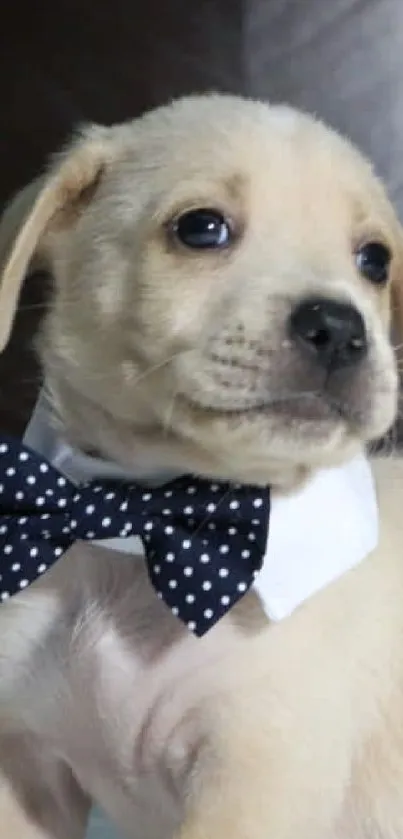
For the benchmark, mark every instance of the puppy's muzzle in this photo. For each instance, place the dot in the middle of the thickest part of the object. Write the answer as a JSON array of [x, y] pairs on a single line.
[[332, 333]]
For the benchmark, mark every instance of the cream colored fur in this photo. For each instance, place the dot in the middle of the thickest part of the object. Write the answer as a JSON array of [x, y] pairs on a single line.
[[156, 357]]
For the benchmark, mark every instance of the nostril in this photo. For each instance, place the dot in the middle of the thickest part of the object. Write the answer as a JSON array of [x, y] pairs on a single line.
[[318, 337], [335, 332]]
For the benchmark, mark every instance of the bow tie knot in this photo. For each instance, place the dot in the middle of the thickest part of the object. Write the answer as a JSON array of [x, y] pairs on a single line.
[[204, 541]]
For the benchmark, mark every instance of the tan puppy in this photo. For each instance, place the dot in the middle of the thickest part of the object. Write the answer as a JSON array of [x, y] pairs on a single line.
[[184, 339]]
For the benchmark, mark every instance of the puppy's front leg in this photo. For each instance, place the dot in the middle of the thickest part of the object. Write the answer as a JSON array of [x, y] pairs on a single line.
[[279, 777]]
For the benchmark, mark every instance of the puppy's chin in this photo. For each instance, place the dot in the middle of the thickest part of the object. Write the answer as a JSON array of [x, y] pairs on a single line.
[[279, 444], [265, 446]]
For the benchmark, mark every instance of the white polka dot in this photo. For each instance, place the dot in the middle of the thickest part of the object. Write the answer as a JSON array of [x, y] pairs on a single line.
[[89, 509], [211, 507], [173, 584], [4, 595], [245, 554], [58, 551], [168, 530], [191, 490], [186, 544], [224, 549], [23, 536], [10, 471], [4, 448], [24, 456], [258, 502], [206, 585], [242, 586], [208, 613], [23, 583], [234, 505], [232, 531], [251, 537], [225, 600], [40, 501], [190, 598], [41, 568], [188, 511], [128, 526], [31, 479], [123, 507], [62, 502], [175, 611], [157, 569], [45, 516], [168, 493], [8, 549], [167, 512], [188, 571], [16, 566], [148, 525], [223, 572], [33, 552], [255, 522], [3, 529], [73, 524], [212, 525], [89, 535], [22, 520], [110, 495], [205, 558], [105, 522], [19, 495], [61, 482], [146, 496], [44, 467], [170, 557], [49, 492], [192, 626], [214, 487]]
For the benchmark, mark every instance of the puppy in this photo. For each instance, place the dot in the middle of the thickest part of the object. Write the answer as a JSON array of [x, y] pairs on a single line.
[[223, 281]]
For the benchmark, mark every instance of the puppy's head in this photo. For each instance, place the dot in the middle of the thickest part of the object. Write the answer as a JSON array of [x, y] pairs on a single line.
[[223, 279]]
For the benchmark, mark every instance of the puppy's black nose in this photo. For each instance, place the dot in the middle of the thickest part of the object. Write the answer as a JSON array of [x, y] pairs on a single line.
[[334, 332]]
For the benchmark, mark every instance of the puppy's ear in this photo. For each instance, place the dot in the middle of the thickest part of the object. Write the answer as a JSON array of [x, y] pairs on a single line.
[[50, 201], [397, 296]]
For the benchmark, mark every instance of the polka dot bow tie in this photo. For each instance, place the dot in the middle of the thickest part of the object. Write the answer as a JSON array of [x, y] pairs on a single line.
[[204, 542]]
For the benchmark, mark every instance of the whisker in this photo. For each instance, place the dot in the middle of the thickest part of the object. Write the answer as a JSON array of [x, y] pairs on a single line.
[[167, 419], [108, 374]]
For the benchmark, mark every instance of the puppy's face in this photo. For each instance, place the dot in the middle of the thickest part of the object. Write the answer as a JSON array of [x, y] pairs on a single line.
[[224, 293]]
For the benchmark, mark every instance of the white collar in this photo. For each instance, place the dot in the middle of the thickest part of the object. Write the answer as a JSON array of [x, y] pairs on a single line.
[[315, 535]]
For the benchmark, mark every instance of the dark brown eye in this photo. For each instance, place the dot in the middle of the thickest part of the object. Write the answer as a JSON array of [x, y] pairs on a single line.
[[373, 260], [203, 229]]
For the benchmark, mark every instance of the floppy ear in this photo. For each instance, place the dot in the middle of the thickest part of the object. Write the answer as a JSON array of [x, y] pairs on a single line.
[[397, 297], [65, 186], [397, 300]]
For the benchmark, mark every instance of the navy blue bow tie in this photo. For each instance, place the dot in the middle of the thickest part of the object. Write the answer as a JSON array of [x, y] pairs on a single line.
[[204, 542]]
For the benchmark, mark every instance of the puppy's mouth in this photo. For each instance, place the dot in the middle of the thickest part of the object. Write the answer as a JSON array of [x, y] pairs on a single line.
[[308, 407]]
